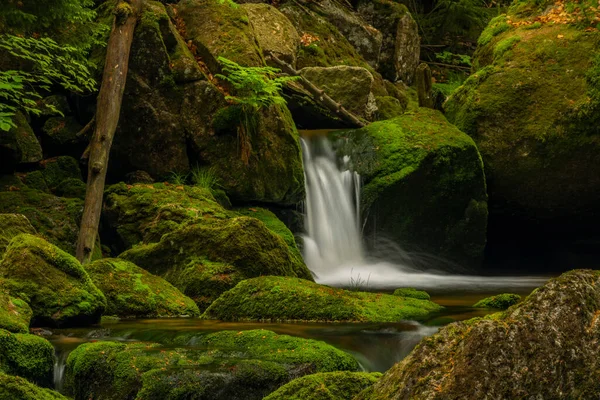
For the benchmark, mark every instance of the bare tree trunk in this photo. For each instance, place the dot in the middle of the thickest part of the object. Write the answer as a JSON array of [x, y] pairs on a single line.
[[319, 95], [107, 119]]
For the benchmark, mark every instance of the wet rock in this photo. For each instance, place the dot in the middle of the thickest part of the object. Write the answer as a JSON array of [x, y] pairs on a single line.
[[285, 299], [424, 185], [543, 346], [220, 366], [274, 32], [52, 282], [400, 50], [132, 292], [326, 386]]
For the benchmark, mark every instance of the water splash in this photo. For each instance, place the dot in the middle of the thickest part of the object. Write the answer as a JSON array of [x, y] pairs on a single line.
[[333, 247], [60, 363]]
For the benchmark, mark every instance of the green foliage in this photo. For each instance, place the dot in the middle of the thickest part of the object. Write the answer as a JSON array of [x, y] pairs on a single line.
[[454, 59], [45, 44], [205, 178], [454, 17], [177, 178], [412, 293], [254, 88]]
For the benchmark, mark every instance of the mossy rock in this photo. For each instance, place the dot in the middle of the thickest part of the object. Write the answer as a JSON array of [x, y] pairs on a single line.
[[281, 298], [56, 170], [60, 136], [533, 108], [388, 107], [205, 259], [19, 145], [15, 314], [220, 29], [56, 219], [17, 388], [326, 386], [219, 366], [412, 293], [28, 356], [71, 188], [52, 282], [132, 292], [424, 185], [510, 354], [500, 301], [12, 225]]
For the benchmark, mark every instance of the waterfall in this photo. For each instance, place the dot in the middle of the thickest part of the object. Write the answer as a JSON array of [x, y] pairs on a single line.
[[332, 218], [333, 247], [60, 363]]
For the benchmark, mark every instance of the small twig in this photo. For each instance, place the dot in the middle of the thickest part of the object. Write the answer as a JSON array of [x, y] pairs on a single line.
[[86, 128]]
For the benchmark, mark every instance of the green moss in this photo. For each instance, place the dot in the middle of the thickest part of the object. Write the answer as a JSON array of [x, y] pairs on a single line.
[[505, 45], [501, 301], [28, 356], [15, 314], [326, 386], [62, 131], [282, 298], [424, 184], [71, 188], [60, 168], [412, 293], [495, 27], [12, 225], [17, 388], [52, 282], [219, 366], [388, 107], [35, 180], [132, 292]]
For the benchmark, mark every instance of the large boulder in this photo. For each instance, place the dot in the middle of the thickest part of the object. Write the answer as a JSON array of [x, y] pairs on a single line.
[[532, 106], [185, 236], [424, 185], [274, 32], [14, 387], [274, 298], [28, 356], [19, 145], [52, 282], [220, 366], [544, 347], [401, 47], [349, 86], [15, 314], [133, 292], [12, 225], [326, 386]]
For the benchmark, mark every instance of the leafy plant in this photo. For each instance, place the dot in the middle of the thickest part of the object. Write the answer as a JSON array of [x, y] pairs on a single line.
[[454, 59], [357, 284], [254, 88], [178, 178], [205, 178]]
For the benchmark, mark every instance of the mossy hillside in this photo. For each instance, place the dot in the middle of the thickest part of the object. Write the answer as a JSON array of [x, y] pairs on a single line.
[[56, 219], [283, 298], [412, 293], [463, 359], [51, 281], [501, 301], [17, 388], [424, 184], [220, 29], [326, 386], [15, 314], [132, 292], [216, 255], [532, 136], [28, 356], [220, 365], [12, 225]]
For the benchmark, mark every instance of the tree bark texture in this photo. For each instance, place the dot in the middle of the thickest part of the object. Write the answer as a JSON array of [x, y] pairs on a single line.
[[107, 119]]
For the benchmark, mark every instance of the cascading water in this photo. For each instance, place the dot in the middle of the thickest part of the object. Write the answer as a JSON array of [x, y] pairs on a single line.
[[333, 247]]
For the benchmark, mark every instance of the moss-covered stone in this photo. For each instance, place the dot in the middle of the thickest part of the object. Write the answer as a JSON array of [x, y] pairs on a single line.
[[51, 281], [12, 225], [71, 188], [56, 219], [424, 184], [544, 345], [219, 366], [388, 107], [220, 29], [273, 31], [17, 388], [60, 136], [132, 292], [282, 298], [326, 386], [28, 356], [412, 293], [19, 145], [532, 106], [500, 301], [15, 314], [56, 170]]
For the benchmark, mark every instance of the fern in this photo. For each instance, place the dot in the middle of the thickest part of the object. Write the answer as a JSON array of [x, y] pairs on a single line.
[[254, 88]]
